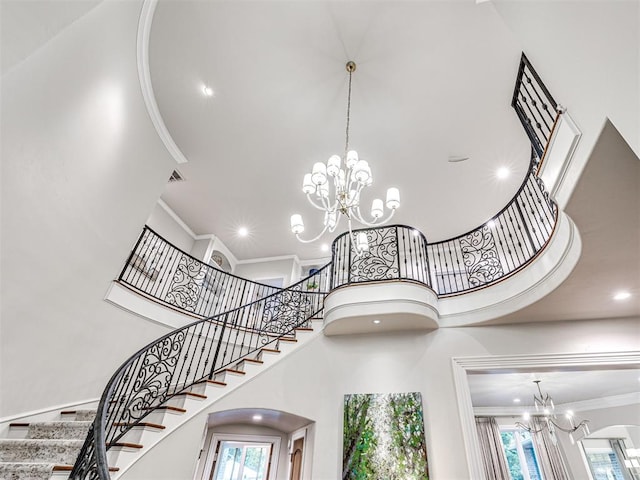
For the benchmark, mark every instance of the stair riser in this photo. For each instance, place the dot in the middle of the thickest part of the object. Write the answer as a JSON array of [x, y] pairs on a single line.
[[142, 435], [164, 417]]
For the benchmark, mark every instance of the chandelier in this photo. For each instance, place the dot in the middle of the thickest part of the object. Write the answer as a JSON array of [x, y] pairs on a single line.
[[550, 421], [335, 188]]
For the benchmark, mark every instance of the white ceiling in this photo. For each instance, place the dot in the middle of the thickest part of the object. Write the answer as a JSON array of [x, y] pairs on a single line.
[[434, 80], [499, 390], [282, 421]]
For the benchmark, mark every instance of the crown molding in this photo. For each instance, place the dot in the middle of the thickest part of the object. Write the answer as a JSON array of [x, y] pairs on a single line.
[[144, 75]]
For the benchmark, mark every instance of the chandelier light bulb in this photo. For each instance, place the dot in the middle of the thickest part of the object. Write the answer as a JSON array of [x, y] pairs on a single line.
[[308, 186], [297, 226], [393, 198], [361, 172], [377, 210], [319, 173], [324, 190], [333, 166]]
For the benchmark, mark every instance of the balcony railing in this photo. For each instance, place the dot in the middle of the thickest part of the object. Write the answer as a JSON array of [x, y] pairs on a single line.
[[485, 255], [536, 108], [162, 271]]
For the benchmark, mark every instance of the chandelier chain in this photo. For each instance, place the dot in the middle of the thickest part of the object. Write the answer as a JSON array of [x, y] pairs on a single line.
[[346, 143]]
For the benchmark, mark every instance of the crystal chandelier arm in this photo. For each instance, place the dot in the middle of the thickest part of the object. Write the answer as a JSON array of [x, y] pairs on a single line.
[[528, 428], [582, 424]]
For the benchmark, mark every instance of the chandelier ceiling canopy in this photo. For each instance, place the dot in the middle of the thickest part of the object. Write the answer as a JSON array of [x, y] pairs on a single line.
[[335, 189]]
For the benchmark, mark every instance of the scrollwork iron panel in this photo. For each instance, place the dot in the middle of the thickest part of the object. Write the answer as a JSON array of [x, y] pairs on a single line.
[[481, 257], [380, 262], [184, 291]]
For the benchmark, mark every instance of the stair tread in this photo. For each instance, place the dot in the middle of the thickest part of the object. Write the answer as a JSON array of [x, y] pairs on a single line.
[[288, 339], [231, 370], [214, 382], [141, 424], [270, 350], [251, 360], [167, 407], [125, 444], [192, 394], [68, 468]]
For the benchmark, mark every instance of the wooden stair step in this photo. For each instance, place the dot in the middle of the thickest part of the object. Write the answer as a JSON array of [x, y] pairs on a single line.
[[167, 407], [125, 445], [68, 468], [19, 424], [141, 424], [303, 329], [213, 382], [288, 339], [231, 370], [251, 360], [192, 394], [269, 350]]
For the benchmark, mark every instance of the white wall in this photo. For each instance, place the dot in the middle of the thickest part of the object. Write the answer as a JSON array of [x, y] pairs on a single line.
[[312, 382], [285, 268], [82, 168], [170, 229]]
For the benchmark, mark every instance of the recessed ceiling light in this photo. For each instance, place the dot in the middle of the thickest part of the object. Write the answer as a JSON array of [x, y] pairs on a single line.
[[208, 91], [502, 173], [622, 295], [257, 417], [324, 247], [377, 322], [243, 231], [516, 400]]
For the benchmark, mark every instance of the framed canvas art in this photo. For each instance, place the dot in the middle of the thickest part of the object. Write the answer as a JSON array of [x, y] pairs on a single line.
[[383, 437]]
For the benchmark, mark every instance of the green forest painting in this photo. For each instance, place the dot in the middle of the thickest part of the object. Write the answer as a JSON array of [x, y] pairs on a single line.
[[384, 437]]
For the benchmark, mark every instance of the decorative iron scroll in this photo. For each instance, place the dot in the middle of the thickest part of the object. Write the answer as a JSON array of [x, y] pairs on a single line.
[[481, 257], [185, 287], [283, 312], [381, 261], [151, 380]]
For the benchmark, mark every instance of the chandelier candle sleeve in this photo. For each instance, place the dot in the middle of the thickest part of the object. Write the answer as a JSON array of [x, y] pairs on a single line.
[[393, 198], [296, 224]]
